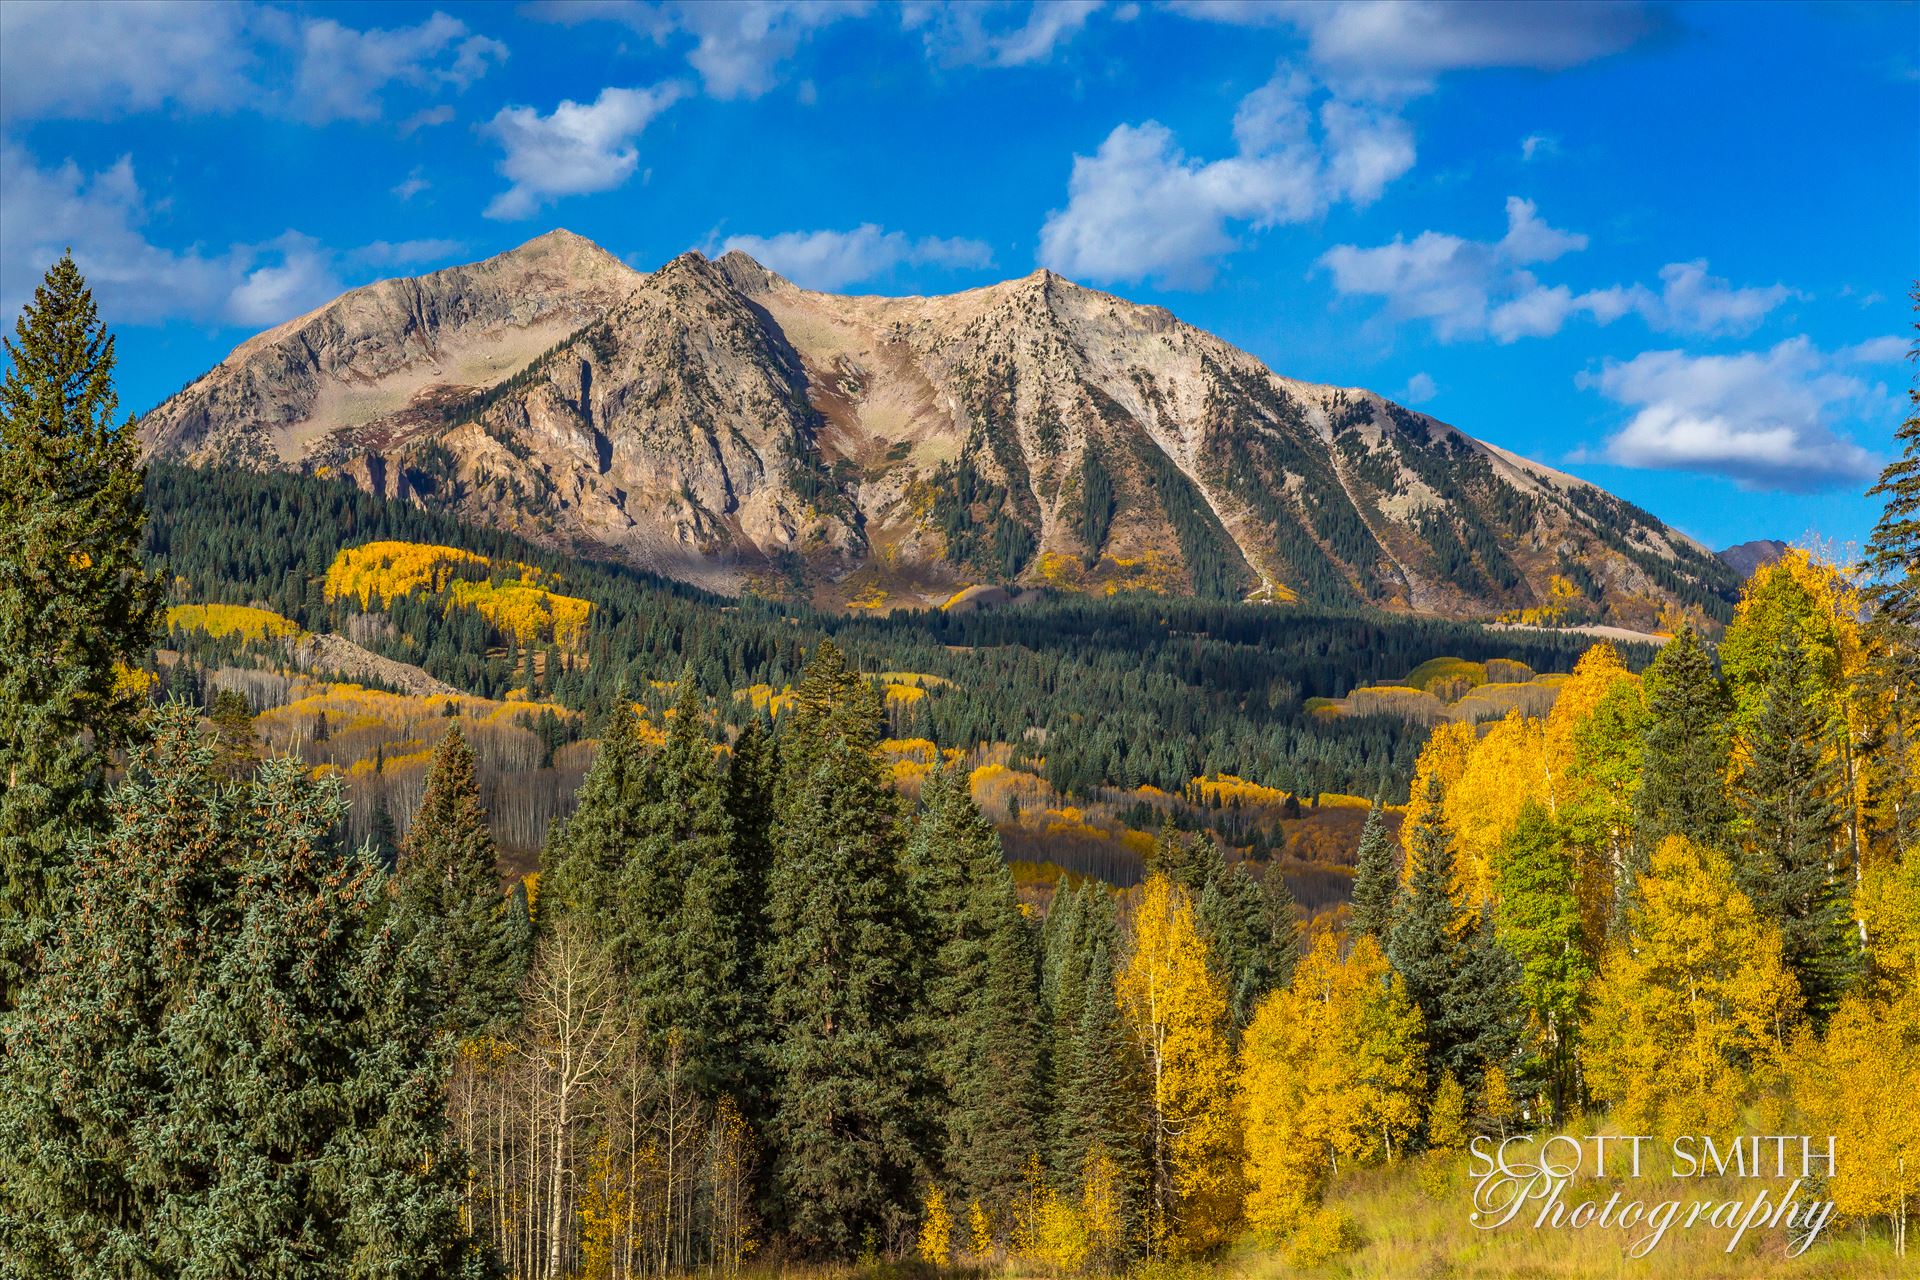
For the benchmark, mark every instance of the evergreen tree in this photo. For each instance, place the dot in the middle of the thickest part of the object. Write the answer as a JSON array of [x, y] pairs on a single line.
[[449, 883], [1891, 559], [684, 919], [845, 1129], [1376, 879], [231, 1065], [76, 606], [1249, 943], [1687, 748], [1891, 682], [1786, 796], [582, 862], [980, 1020], [1102, 1106], [1456, 972]]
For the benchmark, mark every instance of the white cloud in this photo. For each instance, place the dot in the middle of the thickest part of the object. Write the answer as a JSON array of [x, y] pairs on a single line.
[[738, 48], [834, 259], [1474, 288], [102, 217], [1877, 350], [427, 118], [1394, 46], [96, 61], [577, 148], [1691, 301], [1467, 288], [101, 61], [342, 72], [964, 34], [1762, 418], [412, 186], [273, 292], [1420, 389], [1140, 208], [1536, 145]]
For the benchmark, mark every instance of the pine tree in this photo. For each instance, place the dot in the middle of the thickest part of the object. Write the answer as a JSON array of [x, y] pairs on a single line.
[[1104, 1100], [232, 1063], [845, 1128], [1790, 821], [582, 863], [449, 882], [1455, 969], [1687, 749], [76, 605], [1891, 559], [980, 1020], [1376, 880], [383, 837], [682, 932]]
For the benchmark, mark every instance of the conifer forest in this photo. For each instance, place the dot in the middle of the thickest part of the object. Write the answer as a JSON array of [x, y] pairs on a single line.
[[382, 896]]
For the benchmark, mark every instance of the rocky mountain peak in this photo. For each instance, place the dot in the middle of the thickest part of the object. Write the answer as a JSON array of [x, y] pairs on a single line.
[[714, 422]]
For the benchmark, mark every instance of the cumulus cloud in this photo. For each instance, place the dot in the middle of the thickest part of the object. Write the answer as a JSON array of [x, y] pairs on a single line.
[[739, 48], [1420, 389], [575, 149], [1762, 418], [412, 186], [103, 217], [1389, 46], [96, 61], [1139, 208], [1468, 288], [342, 72], [101, 61], [1477, 288], [971, 34], [1877, 350], [834, 259]]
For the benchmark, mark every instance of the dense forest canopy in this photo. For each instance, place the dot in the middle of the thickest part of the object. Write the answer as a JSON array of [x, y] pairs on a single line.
[[1123, 691]]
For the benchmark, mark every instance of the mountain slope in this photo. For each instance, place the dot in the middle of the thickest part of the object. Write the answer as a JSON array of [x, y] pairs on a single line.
[[717, 423]]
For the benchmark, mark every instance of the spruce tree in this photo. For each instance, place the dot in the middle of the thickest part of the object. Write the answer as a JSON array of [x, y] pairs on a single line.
[[1687, 748], [1376, 879], [449, 883], [846, 1124], [76, 605], [1462, 979], [232, 1064], [1787, 797], [1891, 568], [1891, 559], [684, 918], [580, 867], [980, 1021]]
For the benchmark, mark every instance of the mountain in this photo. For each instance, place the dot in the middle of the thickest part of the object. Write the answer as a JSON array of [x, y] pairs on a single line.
[[716, 423], [1748, 556]]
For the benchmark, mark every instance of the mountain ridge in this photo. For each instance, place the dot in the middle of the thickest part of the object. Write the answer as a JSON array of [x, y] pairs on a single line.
[[713, 421]]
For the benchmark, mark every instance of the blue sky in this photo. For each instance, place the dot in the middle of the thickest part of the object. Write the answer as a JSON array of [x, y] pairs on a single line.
[[1664, 247]]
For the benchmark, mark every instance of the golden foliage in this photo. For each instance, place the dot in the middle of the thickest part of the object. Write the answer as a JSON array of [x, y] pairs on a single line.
[[1330, 1069], [1227, 788], [390, 569], [979, 1230], [1177, 1013], [1859, 1084], [935, 1242], [220, 620], [1692, 1001], [531, 615]]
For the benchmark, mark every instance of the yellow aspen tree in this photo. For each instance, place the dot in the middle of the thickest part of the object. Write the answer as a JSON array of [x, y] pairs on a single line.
[[1691, 1001], [1177, 1013], [1330, 1070], [1859, 1084], [1597, 671], [1102, 1209], [1504, 770], [935, 1244], [979, 1231], [1444, 756], [1447, 1117]]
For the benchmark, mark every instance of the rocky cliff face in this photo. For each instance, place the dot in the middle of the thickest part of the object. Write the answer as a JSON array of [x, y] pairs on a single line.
[[716, 423]]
